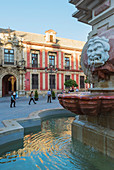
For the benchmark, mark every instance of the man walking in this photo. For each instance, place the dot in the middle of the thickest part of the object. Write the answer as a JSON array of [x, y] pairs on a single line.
[[49, 96]]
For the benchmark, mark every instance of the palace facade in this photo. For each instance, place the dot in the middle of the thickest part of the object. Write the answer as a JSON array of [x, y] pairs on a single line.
[[25, 60]]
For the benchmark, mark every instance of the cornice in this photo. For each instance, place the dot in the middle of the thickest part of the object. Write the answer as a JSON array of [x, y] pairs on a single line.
[[51, 45]]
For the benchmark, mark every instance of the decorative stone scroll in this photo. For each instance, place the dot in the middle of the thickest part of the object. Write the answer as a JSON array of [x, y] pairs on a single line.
[[97, 51], [9, 70]]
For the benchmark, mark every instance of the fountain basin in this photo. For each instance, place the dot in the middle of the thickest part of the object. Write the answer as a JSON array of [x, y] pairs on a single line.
[[86, 103]]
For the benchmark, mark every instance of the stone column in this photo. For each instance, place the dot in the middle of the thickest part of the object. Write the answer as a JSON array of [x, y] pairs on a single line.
[[0, 87], [23, 82], [20, 84], [17, 83]]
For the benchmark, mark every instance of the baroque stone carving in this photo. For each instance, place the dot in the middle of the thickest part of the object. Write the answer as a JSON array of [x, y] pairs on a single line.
[[9, 70], [97, 51]]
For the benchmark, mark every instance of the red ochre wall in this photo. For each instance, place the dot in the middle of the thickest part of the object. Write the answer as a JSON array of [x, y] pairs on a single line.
[[27, 75], [46, 81], [46, 55], [57, 60], [28, 57], [61, 59], [72, 62], [76, 61], [72, 76], [57, 81], [27, 81]]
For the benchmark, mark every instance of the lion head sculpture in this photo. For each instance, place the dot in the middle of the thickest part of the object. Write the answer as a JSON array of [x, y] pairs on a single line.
[[97, 51]]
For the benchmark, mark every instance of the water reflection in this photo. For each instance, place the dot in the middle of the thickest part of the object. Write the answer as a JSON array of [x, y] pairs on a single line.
[[52, 148]]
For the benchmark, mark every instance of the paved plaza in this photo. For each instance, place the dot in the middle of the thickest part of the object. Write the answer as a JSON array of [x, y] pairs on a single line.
[[23, 109]]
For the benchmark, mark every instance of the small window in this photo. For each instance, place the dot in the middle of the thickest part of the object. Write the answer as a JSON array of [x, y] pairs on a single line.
[[51, 38]]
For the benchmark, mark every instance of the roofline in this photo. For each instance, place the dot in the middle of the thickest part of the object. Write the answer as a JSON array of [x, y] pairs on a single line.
[[44, 35], [52, 46]]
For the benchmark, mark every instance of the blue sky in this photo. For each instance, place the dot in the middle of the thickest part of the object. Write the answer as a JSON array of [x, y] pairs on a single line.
[[37, 16]]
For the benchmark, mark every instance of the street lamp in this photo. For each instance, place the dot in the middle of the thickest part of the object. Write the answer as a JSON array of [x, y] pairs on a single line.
[[51, 70], [22, 63]]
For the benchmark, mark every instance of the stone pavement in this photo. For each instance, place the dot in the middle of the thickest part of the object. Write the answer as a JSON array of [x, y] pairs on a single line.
[[23, 109]]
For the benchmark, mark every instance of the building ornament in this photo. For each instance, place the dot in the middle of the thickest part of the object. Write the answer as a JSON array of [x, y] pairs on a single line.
[[97, 51], [9, 70], [11, 39]]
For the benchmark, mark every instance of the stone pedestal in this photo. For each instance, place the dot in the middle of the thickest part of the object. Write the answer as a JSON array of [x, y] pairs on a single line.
[[97, 61], [0, 93], [96, 132]]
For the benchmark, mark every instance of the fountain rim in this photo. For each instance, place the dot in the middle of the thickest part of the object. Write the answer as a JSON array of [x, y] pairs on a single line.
[[88, 96]]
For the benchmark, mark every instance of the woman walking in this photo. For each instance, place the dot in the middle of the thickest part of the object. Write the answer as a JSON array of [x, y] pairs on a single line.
[[32, 98]]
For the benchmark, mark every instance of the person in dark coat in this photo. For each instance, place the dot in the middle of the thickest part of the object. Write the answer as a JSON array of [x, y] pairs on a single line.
[[32, 98], [12, 100]]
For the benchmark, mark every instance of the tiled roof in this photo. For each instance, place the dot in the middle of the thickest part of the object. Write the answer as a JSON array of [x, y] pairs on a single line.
[[40, 38]]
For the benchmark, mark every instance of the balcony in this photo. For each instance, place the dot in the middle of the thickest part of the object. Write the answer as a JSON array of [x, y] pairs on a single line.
[[53, 66]]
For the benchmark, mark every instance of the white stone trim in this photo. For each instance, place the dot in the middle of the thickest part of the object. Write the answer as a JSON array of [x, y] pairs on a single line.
[[74, 57], [43, 58], [60, 81], [75, 77], [59, 59], [43, 77]]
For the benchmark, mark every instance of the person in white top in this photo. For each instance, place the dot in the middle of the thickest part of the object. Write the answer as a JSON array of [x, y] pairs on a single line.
[[49, 96], [32, 98], [77, 90]]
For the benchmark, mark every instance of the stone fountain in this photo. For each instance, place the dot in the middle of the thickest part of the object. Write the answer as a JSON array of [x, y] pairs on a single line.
[[94, 123]]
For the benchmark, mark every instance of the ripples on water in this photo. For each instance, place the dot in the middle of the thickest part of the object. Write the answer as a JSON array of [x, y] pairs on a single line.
[[52, 148]]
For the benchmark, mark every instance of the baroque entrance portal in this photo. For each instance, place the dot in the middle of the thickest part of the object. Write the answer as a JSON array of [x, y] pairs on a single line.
[[8, 84]]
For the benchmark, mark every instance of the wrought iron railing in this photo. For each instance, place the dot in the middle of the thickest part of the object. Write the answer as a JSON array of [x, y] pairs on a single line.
[[53, 66]]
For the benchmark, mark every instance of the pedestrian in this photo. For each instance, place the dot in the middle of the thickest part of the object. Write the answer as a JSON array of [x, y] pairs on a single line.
[[69, 91], [12, 100], [32, 98], [14, 94], [49, 96], [77, 90]]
